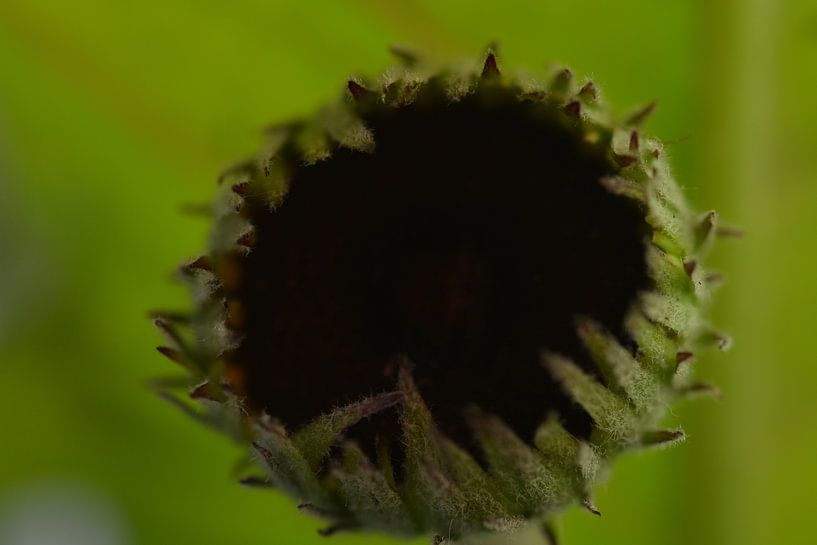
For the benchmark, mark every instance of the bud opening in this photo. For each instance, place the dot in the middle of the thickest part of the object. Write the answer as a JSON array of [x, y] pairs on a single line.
[[467, 241]]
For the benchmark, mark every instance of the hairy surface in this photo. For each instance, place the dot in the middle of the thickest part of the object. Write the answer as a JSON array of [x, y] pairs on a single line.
[[467, 242]]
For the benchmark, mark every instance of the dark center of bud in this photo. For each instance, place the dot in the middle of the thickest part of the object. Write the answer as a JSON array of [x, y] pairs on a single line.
[[467, 242]]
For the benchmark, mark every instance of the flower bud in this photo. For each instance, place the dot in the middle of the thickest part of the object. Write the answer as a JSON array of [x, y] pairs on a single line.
[[446, 303]]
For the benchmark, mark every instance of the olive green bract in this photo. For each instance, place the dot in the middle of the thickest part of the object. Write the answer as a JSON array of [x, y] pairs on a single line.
[[446, 303]]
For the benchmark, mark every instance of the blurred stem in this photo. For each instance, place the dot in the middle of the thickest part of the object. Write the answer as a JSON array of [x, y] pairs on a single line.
[[740, 120]]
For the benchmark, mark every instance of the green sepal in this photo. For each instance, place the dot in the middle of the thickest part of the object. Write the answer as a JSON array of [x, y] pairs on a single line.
[[560, 451], [619, 367], [519, 471], [561, 84], [698, 389], [315, 439], [661, 438], [705, 231], [434, 497], [431, 496], [313, 144], [612, 415], [219, 413], [179, 350], [657, 349], [710, 337], [419, 431], [485, 505], [678, 314], [367, 495], [669, 218], [286, 466], [625, 187], [669, 272], [555, 443], [348, 130]]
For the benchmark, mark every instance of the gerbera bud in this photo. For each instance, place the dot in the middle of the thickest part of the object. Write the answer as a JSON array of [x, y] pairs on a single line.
[[446, 303]]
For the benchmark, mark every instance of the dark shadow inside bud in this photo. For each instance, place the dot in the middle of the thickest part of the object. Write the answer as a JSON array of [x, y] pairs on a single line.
[[468, 241]]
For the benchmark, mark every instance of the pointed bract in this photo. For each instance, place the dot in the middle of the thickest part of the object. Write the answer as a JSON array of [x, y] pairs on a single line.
[[619, 366], [662, 438], [519, 471], [490, 67], [405, 56], [315, 439], [560, 84], [642, 115], [367, 494], [626, 188], [286, 466], [589, 92], [611, 414], [358, 92]]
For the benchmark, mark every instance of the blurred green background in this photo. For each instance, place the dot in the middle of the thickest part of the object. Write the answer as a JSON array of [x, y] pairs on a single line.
[[115, 114]]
